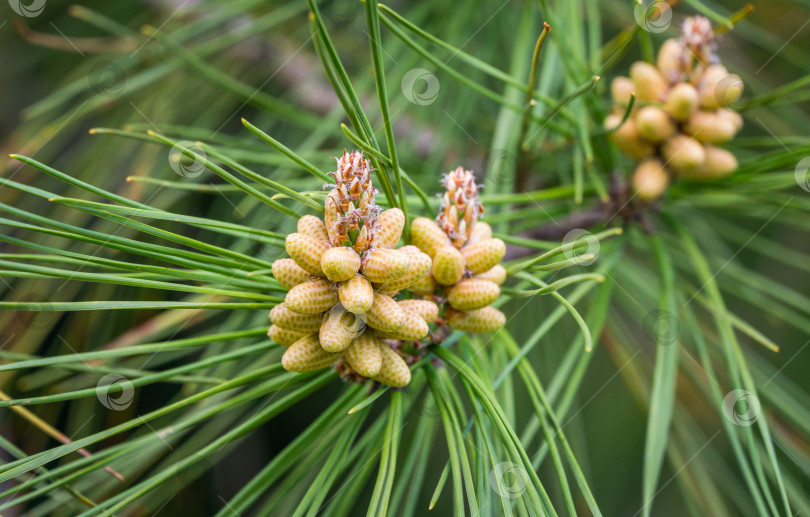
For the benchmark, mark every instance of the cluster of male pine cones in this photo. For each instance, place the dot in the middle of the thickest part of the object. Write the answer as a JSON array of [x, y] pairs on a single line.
[[466, 271], [681, 112], [344, 273]]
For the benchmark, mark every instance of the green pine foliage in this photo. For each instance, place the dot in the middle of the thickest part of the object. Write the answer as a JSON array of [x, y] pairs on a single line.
[[654, 354]]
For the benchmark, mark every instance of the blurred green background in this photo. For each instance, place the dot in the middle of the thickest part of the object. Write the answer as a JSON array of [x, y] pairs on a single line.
[[77, 66]]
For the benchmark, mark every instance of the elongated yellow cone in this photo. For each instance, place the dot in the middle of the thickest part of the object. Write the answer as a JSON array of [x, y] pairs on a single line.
[[620, 89], [496, 273], [712, 128], [650, 179], [413, 327], [284, 337], [331, 217], [306, 251], [480, 231], [385, 313], [682, 101], [473, 293], [356, 295], [393, 371], [448, 265], [425, 286], [383, 265], [392, 221], [312, 297], [479, 321], [340, 264], [669, 60], [428, 310], [683, 154], [283, 317], [654, 124], [289, 273], [718, 163], [648, 82], [627, 137], [418, 268], [427, 236], [483, 255], [339, 328], [306, 355], [364, 355], [313, 227]]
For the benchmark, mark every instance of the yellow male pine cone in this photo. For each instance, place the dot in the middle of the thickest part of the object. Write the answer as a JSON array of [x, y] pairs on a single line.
[[479, 321], [427, 236], [413, 327], [284, 337], [312, 226], [306, 251], [340, 264], [312, 297], [419, 267], [473, 293], [480, 231], [496, 273], [364, 355], [339, 328], [425, 286], [483, 255], [391, 222], [448, 265], [356, 295], [383, 265], [283, 317], [288, 273], [428, 310], [306, 355], [385, 314], [393, 371]]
